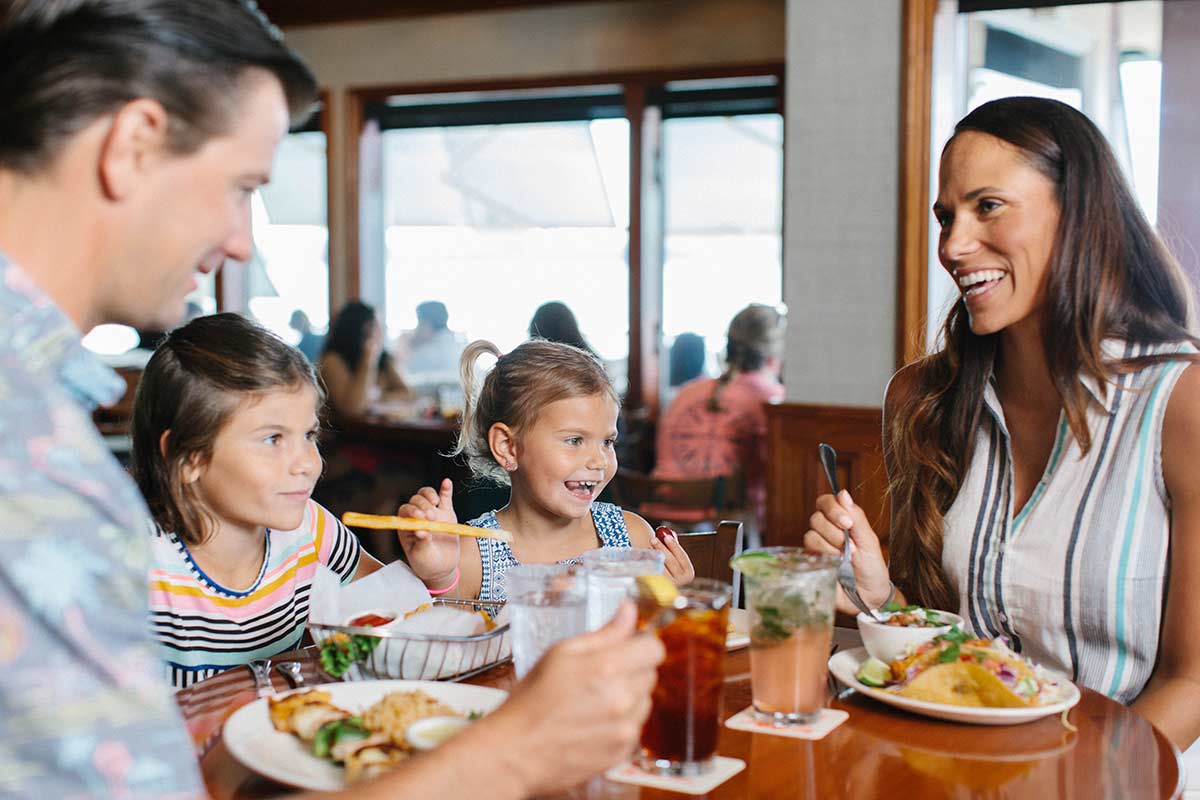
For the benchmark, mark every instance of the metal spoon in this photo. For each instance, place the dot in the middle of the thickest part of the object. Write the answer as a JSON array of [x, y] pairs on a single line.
[[845, 572]]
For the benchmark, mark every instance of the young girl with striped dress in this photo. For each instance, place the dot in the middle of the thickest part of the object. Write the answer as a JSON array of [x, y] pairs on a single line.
[[225, 426]]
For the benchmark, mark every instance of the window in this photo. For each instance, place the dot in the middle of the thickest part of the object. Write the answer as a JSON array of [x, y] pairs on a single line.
[[723, 197], [493, 220], [494, 202], [290, 268]]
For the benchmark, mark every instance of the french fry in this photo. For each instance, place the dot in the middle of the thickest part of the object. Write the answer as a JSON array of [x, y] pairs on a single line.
[[377, 522]]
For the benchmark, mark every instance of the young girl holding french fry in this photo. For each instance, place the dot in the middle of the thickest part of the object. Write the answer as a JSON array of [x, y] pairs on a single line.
[[225, 452], [545, 423]]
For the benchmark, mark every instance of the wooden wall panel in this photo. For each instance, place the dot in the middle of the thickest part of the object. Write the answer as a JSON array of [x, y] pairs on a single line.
[[916, 94], [794, 475]]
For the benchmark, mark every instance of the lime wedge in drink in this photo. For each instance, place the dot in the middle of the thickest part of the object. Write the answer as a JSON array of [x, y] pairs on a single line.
[[755, 564], [873, 672]]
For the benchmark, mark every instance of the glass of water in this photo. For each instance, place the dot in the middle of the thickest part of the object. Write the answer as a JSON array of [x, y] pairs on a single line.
[[611, 575], [547, 603]]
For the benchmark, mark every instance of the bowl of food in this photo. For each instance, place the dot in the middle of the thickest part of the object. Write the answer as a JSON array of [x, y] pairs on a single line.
[[900, 629]]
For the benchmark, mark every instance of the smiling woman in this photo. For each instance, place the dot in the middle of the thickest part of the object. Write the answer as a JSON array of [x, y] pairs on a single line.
[[999, 219], [1040, 463], [225, 452]]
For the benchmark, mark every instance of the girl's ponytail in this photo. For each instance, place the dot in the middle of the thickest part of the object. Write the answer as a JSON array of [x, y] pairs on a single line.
[[472, 442]]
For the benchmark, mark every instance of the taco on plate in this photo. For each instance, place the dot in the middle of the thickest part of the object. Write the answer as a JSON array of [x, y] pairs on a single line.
[[955, 670]]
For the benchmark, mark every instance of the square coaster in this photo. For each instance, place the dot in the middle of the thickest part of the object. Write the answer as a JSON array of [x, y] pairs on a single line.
[[722, 770], [828, 719]]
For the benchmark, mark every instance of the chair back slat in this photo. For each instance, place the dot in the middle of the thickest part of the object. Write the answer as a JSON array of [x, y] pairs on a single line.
[[711, 551]]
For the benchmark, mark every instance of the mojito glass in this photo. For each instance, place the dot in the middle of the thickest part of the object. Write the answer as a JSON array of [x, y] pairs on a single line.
[[790, 595], [611, 575], [680, 735]]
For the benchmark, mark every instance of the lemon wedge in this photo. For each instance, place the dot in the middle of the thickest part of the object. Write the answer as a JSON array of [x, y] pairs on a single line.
[[658, 588]]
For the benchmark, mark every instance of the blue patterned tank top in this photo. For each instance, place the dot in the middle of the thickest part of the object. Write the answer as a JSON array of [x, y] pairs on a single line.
[[497, 558]]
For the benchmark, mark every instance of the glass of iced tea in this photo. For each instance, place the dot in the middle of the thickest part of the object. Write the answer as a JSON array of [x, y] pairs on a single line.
[[680, 735], [790, 595]]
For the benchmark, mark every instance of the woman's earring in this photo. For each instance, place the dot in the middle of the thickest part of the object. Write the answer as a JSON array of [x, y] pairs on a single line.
[[511, 466]]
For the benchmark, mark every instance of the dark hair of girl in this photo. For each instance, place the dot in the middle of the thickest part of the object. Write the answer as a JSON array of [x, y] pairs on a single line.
[[190, 389]]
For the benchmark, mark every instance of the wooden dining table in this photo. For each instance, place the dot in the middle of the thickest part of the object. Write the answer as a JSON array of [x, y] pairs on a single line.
[[879, 752]]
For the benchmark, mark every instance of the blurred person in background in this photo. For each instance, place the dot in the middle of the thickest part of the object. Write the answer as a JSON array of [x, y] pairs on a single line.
[[357, 371], [718, 426], [685, 362], [555, 322], [428, 355], [311, 344]]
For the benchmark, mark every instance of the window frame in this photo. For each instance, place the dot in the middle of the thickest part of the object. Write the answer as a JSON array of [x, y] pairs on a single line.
[[645, 96]]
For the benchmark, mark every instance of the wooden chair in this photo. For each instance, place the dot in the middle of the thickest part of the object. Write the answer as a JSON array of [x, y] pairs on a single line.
[[710, 552], [683, 504]]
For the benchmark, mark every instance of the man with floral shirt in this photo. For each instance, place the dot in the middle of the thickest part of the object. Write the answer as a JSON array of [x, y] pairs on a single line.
[[134, 134]]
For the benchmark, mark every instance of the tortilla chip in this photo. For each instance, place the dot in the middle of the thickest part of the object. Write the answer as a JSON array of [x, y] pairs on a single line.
[[962, 683]]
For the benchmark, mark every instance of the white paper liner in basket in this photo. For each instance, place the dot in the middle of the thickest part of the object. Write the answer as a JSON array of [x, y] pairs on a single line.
[[445, 641]]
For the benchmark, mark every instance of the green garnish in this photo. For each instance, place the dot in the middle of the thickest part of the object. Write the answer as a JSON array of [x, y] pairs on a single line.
[[334, 733], [754, 564], [339, 652], [932, 616], [951, 653], [474, 715], [873, 672], [771, 624], [954, 635]]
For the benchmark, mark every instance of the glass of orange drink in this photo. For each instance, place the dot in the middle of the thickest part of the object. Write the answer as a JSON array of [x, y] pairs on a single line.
[[790, 596]]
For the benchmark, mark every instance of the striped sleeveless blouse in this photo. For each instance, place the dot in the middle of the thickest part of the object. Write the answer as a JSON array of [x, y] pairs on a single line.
[[1076, 578], [497, 557], [204, 628]]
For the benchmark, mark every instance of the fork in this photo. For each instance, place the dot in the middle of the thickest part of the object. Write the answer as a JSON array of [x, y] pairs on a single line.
[[261, 670], [290, 670], [845, 570]]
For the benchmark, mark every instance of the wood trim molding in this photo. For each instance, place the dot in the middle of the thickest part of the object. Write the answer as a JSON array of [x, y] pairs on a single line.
[[353, 117], [380, 93], [295, 13], [794, 476], [916, 95]]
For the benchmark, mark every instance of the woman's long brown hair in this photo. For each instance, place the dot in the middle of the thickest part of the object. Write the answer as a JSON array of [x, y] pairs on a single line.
[[1110, 276]]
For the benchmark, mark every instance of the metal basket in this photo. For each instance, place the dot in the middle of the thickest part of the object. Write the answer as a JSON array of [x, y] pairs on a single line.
[[401, 655]]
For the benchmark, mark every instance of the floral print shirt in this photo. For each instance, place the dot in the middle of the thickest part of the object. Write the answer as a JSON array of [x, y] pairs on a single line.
[[84, 710]]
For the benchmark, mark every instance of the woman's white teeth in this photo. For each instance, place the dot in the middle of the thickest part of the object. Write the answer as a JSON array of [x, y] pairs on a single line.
[[978, 280]]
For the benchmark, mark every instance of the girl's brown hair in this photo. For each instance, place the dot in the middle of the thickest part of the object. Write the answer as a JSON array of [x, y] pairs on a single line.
[[190, 388], [1109, 276], [522, 383]]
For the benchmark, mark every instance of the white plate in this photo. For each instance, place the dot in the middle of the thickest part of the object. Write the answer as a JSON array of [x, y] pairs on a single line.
[[253, 740], [844, 666], [739, 634]]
